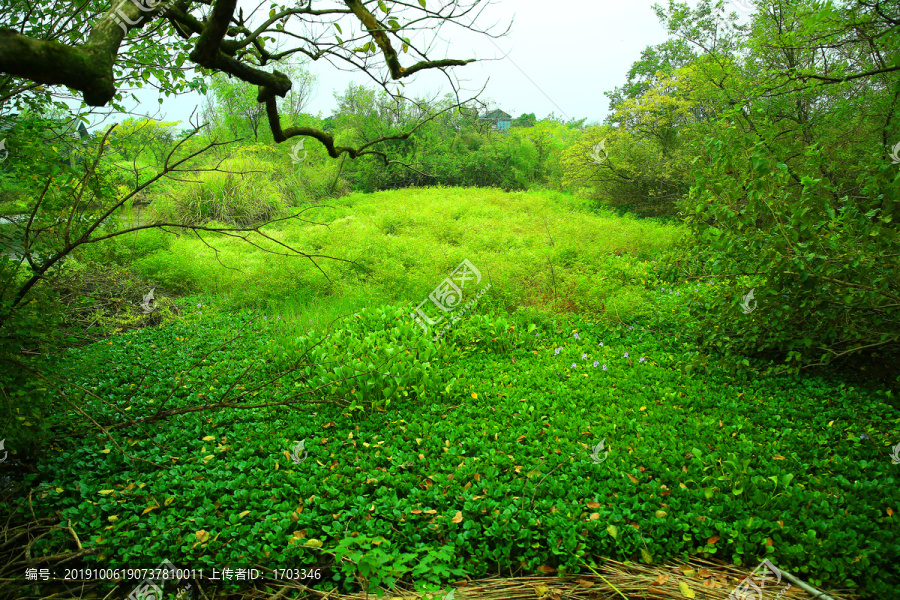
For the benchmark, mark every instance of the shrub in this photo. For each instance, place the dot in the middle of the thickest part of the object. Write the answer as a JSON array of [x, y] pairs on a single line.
[[241, 193]]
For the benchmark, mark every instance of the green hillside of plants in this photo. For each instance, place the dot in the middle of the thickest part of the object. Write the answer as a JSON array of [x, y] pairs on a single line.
[[429, 461]]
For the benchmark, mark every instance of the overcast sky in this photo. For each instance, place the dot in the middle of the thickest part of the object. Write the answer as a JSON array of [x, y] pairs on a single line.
[[560, 57]]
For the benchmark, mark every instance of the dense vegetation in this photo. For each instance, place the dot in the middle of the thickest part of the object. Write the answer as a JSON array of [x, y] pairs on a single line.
[[705, 287]]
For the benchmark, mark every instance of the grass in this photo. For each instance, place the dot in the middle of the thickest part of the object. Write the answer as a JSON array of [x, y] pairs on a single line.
[[472, 455], [542, 250]]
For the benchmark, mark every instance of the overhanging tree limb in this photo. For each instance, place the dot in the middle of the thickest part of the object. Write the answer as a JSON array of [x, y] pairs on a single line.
[[90, 67]]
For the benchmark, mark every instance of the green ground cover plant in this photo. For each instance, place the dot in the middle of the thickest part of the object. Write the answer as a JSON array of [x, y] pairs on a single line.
[[485, 458]]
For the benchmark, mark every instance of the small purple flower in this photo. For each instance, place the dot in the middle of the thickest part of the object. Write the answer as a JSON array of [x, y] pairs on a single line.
[[670, 292], [626, 355], [198, 305], [278, 317], [265, 318], [676, 293], [557, 352], [584, 357], [641, 359], [574, 366], [662, 289], [576, 337], [863, 437], [604, 367], [596, 364], [601, 343]]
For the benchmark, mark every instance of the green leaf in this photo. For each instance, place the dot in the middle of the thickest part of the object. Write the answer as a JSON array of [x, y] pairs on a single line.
[[338, 27], [422, 3], [382, 6]]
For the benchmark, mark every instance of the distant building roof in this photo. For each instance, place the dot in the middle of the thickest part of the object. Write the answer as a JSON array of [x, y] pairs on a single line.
[[496, 115]]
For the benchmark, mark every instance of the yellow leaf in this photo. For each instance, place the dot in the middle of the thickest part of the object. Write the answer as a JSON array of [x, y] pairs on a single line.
[[613, 530], [594, 516], [830, 423], [632, 478], [458, 518], [202, 536], [148, 509], [646, 556], [105, 492], [208, 457], [209, 438], [474, 395], [112, 518], [59, 490], [778, 457], [105, 451], [276, 465], [890, 512], [169, 500], [688, 592], [643, 408], [661, 514], [244, 514], [313, 543], [541, 590]]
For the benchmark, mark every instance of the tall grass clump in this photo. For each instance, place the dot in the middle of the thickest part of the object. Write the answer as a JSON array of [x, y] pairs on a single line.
[[241, 191]]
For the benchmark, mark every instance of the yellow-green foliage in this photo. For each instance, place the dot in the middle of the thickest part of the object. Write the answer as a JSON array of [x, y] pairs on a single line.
[[241, 192], [647, 163], [538, 249], [549, 139]]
